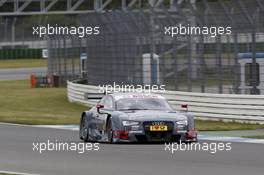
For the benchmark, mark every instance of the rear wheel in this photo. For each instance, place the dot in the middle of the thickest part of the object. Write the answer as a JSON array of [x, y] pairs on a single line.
[[109, 131]]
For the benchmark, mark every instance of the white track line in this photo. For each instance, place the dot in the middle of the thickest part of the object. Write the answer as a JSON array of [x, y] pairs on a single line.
[[13, 124], [231, 139], [65, 127], [16, 173]]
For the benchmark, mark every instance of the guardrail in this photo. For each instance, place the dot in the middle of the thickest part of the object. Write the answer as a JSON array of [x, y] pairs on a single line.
[[245, 108]]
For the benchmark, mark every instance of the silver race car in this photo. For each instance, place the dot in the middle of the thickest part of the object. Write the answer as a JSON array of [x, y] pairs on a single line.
[[135, 117]]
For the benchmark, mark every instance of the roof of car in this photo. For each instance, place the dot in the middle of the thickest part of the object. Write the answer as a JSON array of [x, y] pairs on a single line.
[[119, 95]]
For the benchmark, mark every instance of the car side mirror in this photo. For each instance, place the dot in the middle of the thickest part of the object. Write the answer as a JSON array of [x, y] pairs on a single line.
[[99, 106], [184, 106]]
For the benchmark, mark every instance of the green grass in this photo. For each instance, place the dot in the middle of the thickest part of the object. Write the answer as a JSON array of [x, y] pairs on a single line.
[[255, 137], [203, 125], [22, 63], [21, 104]]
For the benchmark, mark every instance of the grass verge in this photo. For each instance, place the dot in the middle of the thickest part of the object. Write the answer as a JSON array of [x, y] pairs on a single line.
[[254, 137], [21, 104], [22, 63], [205, 125]]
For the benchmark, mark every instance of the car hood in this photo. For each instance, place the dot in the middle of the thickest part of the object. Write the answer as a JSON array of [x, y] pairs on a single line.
[[150, 115]]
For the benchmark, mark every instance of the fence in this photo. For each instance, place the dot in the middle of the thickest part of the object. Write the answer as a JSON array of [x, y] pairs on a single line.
[[18, 40], [134, 47], [247, 108]]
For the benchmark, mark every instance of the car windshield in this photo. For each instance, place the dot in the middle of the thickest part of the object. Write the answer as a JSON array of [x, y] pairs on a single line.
[[142, 104]]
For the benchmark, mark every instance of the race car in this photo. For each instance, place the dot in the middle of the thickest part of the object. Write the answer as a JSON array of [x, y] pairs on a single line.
[[135, 117]]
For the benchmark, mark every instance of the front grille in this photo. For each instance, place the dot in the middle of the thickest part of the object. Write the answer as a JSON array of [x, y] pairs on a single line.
[[158, 135], [147, 124]]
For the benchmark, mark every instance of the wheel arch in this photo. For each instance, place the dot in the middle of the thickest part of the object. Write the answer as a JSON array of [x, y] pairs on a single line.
[[107, 120], [191, 122], [114, 119], [83, 115]]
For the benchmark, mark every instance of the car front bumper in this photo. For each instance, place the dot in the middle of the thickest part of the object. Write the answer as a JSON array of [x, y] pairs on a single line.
[[143, 136]]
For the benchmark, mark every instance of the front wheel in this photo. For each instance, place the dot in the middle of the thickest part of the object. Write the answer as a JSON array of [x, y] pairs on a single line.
[[84, 130], [81, 128], [109, 131]]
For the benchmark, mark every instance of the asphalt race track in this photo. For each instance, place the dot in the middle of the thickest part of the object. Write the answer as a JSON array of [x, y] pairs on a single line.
[[21, 73], [16, 154]]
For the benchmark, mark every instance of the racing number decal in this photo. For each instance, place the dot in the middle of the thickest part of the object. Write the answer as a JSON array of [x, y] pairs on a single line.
[[158, 128]]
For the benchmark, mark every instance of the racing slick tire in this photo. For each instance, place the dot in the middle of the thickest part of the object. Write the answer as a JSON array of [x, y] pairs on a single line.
[[84, 130], [109, 130]]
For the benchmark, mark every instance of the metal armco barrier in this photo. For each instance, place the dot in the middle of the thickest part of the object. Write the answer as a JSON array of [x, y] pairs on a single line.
[[245, 108]]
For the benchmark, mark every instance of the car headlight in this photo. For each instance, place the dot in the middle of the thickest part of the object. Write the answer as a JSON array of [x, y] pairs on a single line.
[[129, 123], [182, 122]]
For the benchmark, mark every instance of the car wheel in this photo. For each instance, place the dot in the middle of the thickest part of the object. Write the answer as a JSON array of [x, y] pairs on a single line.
[[81, 128], [84, 130], [109, 131]]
